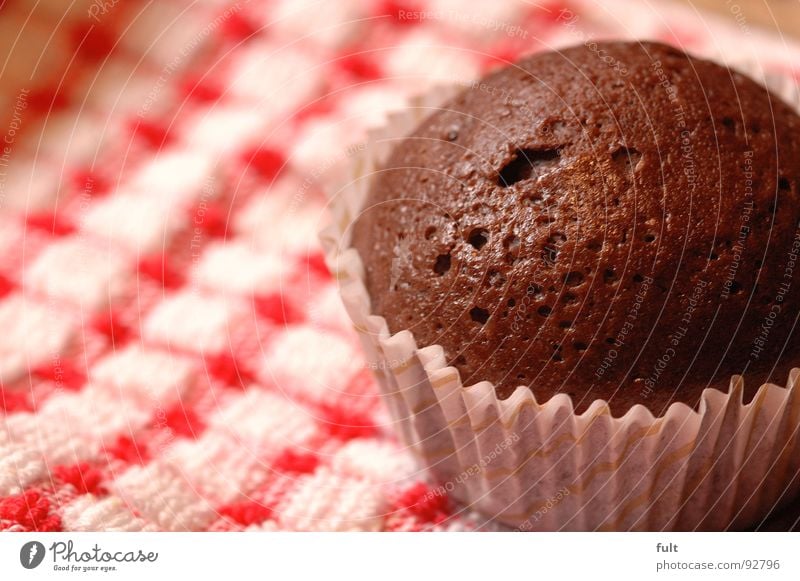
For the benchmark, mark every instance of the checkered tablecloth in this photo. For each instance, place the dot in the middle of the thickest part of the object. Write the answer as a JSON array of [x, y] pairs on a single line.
[[173, 352]]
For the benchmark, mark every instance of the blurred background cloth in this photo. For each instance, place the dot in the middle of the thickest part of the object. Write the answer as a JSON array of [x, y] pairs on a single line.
[[779, 16], [173, 353]]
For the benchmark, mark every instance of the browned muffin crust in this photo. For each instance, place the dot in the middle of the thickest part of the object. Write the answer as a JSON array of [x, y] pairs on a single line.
[[616, 223]]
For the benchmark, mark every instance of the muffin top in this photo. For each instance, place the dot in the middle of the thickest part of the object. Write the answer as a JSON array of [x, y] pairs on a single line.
[[614, 221]]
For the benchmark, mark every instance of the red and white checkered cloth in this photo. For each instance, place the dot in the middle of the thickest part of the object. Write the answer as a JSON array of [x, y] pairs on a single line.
[[173, 353]]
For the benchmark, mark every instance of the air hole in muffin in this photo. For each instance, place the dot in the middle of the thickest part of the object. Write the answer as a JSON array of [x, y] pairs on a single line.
[[729, 123], [430, 232], [479, 315], [758, 263], [521, 376], [511, 243], [557, 357], [533, 289], [565, 324], [609, 276], [611, 341], [713, 256], [511, 302], [439, 327], [783, 184], [460, 360], [626, 159], [527, 164], [569, 298], [637, 278], [478, 238], [557, 238], [594, 245], [544, 311], [772, 207], [756, 128], [735, 288], [649, 237], [573, 278], [579, 346], [442, 264]]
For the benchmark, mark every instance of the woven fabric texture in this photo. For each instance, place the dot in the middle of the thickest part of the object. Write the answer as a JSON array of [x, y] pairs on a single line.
[[173, 351]]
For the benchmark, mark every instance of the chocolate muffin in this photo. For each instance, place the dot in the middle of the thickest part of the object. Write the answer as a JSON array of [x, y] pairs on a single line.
[[614, 221]]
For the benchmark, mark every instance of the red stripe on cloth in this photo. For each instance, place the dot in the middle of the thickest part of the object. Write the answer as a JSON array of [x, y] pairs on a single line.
[[128, 450], [278, 309], [399, 11], [155, 134], [90, 182], [228, 369], [200, 89], [345, 423], [419, 507], [91, 42], [297, 462], [110, 324], [238, 27], [54, 223], [47, 99], [16, 400], [359, 65], [184, 421], [6, 286], [30, 511], [159, 268], [210, 218], [246, 513], [64, 372], [85, 478], [266, 161]]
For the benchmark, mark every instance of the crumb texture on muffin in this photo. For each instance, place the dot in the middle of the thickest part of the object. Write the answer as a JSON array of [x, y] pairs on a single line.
[[618, 224]]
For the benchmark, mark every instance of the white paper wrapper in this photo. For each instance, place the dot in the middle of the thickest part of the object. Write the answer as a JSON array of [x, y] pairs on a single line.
[[541, 466]]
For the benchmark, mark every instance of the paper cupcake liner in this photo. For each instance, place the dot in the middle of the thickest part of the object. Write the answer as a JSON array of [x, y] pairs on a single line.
[[539, 466]]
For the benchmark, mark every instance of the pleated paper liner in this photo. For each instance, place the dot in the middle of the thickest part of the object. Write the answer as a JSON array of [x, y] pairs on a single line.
[[539, 466]]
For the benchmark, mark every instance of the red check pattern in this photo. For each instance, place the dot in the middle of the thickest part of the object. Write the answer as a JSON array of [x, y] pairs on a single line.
[[173, 352]]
